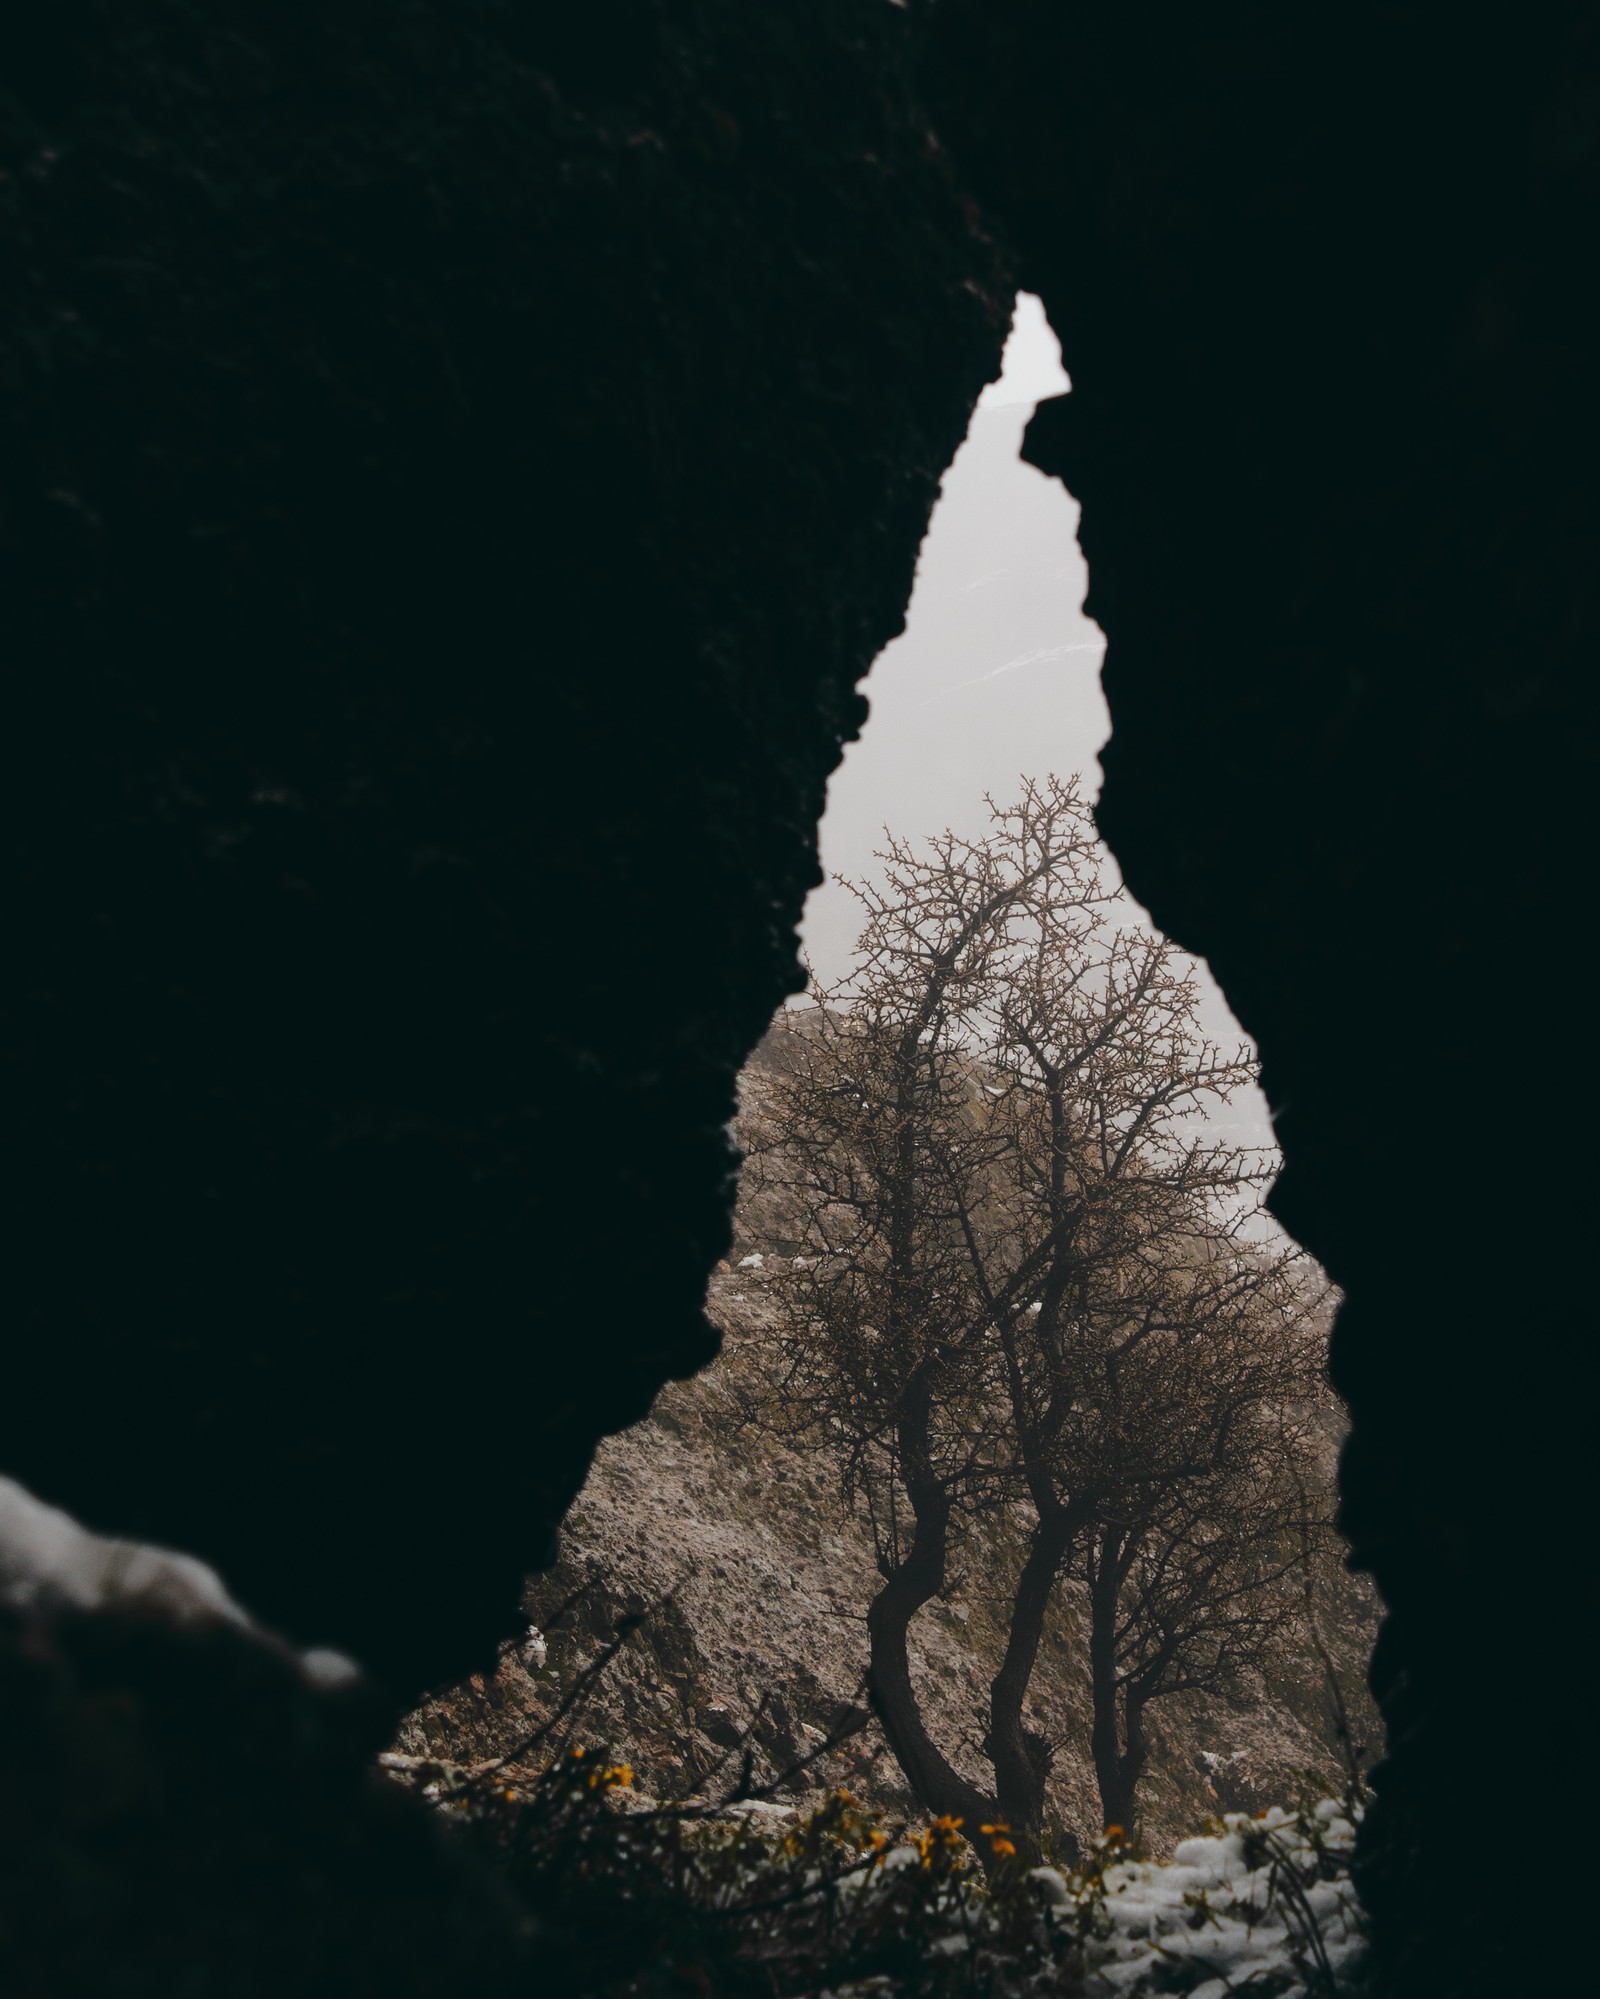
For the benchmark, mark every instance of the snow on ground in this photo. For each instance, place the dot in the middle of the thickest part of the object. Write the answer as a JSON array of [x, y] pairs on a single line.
[[1264, 1905], [1258, 1905]]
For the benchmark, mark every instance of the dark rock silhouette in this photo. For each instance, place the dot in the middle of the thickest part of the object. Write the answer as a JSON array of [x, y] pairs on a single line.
[[457, 472], [182, 1813], [1317, 279], [457, 463]]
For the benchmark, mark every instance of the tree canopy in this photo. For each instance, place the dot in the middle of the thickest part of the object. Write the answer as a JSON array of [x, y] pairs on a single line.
[[1032, 1277]]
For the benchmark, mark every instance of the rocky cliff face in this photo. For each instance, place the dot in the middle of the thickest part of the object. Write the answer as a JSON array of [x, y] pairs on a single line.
[[751, 1578]]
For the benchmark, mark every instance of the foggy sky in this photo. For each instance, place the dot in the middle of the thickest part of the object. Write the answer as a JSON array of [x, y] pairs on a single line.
[[996, 676]]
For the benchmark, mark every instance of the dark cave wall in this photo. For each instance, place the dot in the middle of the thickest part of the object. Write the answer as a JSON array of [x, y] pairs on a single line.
[[457, 466], [1322, 281]]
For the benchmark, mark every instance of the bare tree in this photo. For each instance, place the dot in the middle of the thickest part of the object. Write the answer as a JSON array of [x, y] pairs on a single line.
[[1024, 1258], [1193, 1575]]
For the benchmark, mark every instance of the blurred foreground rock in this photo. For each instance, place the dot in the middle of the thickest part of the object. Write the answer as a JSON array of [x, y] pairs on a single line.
[[182, 1812]]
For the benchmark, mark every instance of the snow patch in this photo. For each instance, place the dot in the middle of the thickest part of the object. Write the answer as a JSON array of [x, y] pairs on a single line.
[[50, 1564], [1251, 1906]]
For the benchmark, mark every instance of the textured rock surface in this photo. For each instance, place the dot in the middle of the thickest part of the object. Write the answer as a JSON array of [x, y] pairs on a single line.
[[1318, 283], [752, 1579]]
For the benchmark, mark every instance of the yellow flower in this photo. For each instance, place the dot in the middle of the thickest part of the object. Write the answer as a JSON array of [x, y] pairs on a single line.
[[942, 1833]]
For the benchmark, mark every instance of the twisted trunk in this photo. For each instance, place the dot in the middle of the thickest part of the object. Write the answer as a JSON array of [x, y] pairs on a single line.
[[1020, 1767], [912, 1582], [1117, 1737], [937, 1785]]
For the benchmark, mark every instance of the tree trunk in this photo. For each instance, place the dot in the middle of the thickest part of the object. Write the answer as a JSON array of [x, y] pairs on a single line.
[[1021, 1767], [1117, 1737], [1119, 1773], [935, 1783]]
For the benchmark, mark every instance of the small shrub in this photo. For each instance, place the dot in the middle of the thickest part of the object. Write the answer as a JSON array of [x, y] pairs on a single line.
[[739, 1896]]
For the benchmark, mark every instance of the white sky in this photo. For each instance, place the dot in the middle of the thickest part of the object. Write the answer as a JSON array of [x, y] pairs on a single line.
[[1030, 368], [996, 675]]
